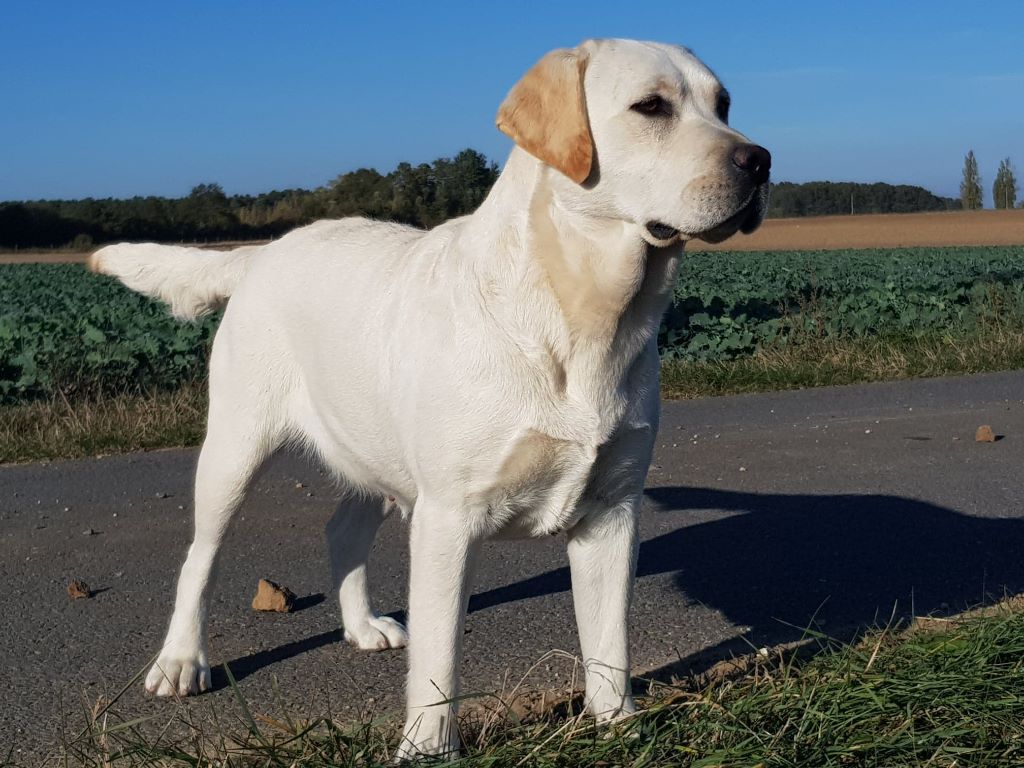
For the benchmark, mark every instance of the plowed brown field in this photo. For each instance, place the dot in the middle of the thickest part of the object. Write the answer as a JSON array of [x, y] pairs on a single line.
[[76, 257], [888, 230]]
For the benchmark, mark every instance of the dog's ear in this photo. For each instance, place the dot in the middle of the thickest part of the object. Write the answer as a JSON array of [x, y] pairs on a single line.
[[545, 113]]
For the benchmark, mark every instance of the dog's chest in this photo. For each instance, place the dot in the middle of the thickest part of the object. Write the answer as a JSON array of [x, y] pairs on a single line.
[[535, 487]]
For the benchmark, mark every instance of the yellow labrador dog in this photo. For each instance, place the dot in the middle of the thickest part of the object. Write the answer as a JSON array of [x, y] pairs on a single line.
[[495, 376]]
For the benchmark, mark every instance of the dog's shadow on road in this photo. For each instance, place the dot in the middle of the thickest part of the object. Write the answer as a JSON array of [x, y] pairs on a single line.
[[779, 563], [244, 666]]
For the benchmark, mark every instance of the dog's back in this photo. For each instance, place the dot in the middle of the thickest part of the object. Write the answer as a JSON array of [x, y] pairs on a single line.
[[194, 281]]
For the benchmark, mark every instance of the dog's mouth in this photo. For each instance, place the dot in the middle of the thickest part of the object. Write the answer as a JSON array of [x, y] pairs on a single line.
[[661, 232], [747, 219]]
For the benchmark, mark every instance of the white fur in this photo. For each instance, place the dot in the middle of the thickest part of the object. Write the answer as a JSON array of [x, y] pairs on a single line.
[[495, 376], [192, 281]]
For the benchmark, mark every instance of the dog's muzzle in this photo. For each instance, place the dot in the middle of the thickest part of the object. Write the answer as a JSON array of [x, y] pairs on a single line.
[[745, 220]]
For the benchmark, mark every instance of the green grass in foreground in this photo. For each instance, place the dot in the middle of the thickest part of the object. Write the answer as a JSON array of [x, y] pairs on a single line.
[[942, 694], [58, 428]]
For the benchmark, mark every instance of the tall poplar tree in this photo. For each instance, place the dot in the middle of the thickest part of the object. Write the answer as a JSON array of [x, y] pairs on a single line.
[[1004, 189], [970, 187]]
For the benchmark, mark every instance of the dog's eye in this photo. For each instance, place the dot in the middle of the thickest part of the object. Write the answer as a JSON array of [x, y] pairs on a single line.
[[722, 107], [653, 106]]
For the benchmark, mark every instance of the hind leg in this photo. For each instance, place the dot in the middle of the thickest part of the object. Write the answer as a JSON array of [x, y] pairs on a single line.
[[350, 535], [239, 437]]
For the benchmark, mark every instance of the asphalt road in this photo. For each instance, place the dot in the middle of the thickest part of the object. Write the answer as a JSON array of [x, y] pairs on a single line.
[[764, 513]]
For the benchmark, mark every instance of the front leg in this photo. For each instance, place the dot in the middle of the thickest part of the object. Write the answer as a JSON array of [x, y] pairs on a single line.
[[442, 558], [602, 560]]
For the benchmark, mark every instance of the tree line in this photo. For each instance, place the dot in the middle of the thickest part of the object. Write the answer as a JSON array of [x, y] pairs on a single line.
[[1004, 188], [832, 198], [422, 195]]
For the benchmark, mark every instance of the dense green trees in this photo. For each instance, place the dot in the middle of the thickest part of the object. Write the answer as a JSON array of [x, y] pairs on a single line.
[[422, 195], [204, 215], [824, 198]]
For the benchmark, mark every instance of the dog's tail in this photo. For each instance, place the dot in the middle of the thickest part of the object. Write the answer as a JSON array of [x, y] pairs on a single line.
[[192, 281]]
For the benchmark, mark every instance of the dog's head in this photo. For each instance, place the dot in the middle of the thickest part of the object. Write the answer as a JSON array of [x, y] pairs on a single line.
[[639, 132]]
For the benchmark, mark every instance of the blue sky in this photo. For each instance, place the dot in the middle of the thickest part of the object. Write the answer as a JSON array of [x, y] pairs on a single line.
[[135, 98]]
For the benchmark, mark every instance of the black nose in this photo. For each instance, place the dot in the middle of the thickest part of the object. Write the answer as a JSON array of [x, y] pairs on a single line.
[[755, 160]]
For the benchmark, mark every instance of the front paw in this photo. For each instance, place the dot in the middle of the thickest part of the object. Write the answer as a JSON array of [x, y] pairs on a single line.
[[414, 753], [427, 739], [179, 673], [608, 707], [376, 633]]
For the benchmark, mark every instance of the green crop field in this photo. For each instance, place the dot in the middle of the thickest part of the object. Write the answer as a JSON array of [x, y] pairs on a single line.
[[66, 331], [728, 305]]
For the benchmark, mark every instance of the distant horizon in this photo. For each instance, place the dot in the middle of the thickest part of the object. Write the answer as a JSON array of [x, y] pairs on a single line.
[[142, 100], [385, 171]]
